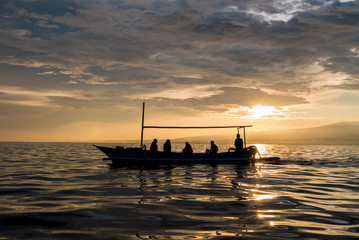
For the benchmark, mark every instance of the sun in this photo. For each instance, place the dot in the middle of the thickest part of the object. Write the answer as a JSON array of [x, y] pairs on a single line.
[[258, 112], [263, 111]]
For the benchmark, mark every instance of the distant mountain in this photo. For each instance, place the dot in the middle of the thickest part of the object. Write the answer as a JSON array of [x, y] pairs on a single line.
[[334, 130], [338, 133]]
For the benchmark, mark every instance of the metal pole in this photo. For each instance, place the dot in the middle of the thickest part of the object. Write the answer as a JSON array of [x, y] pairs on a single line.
[[143, 121], [244, 136]]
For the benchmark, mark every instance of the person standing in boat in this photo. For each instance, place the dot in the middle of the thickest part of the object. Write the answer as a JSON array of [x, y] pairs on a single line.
[[187, 148], [238, 143], [167, 146], [213, 149], [154, 147]]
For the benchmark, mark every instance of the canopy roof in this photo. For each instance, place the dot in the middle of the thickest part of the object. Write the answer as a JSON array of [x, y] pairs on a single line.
[[188, 127]]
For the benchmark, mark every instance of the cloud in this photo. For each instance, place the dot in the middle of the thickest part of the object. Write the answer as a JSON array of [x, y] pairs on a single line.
[[26, 97], [189, 92], [349, 87], [228, 98], [200, 54]]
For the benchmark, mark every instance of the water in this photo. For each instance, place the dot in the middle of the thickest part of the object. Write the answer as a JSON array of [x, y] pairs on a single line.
[[65, 191]]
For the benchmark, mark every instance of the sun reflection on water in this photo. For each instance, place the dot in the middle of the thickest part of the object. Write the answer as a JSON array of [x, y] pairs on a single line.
[[265, 150], [260, 197]]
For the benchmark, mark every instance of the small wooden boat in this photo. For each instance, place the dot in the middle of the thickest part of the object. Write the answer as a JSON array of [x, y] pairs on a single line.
[[123, 156], [141, 156]]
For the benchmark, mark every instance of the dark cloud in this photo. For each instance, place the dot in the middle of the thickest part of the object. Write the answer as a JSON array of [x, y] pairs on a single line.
[[343, 64], [349, 87], [289, 87]]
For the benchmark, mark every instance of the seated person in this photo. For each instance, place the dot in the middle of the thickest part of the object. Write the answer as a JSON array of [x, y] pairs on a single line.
[[187, 148], [154, 147], [167, 146], [213, 150]]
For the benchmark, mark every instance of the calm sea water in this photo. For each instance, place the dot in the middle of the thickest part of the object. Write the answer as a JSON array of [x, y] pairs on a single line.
[[65, 191]]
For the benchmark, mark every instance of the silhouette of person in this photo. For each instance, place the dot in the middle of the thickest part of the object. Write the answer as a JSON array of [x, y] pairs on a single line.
[[187, 148], [167, 146], [213, 149], [154, 147], [238, 143]]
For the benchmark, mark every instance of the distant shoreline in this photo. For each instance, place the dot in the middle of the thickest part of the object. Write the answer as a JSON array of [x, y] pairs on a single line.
[[344, 133], [313, 141]]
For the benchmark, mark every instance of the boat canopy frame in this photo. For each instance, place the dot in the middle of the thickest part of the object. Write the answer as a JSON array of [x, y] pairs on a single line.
[[191, 127]]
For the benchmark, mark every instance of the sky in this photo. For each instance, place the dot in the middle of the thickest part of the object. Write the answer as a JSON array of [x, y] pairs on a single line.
[[79, 70]]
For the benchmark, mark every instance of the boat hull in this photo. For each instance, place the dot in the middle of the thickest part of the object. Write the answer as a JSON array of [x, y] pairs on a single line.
[[120, 155]]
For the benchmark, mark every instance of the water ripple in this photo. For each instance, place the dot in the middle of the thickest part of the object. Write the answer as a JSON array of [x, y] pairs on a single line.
[[65, 191]]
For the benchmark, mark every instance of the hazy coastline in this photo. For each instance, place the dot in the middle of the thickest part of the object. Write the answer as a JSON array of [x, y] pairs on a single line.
[[345, 133]]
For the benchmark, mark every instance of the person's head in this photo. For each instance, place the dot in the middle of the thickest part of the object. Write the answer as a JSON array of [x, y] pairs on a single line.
[[212, 142], [168, 141], [187, 143], [238, 135], [155, 140]]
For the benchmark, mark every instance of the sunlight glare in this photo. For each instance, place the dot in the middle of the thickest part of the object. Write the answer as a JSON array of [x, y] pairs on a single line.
[[261, 197], [263, 111], [258, 112]]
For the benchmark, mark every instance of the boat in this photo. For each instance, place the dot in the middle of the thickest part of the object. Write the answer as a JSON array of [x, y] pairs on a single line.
[[121, 155]]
